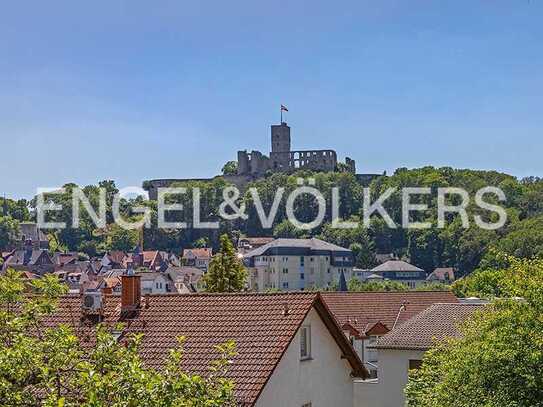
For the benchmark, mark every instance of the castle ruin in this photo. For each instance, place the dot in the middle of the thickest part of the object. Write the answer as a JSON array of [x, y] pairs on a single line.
[[254, 165], [283, 159]]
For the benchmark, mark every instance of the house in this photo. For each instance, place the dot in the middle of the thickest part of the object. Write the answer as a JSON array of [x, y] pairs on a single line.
[[198, 257], [62, 259], [185, 279], [170, 258], [366, 316], [110, 285], [150, 259], [114, 259], [290, 350], [78, 275], [403, 348], [297, 264], [29, 232], [399, 270], [443, 275], [36, 261], [246, 244], [154, 282], [364, 275]]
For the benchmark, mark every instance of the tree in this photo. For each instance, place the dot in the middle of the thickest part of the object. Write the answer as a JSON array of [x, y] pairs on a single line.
[[41, 366], [226, 272], [287, 230], [230, 168], [498, 361], [201, 243], [122, 239], [385, 285], [9, 228]]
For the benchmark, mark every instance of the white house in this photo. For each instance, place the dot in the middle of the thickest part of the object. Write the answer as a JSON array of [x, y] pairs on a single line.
[[367, 316], [154, 282], [291, 351], [403, 349]]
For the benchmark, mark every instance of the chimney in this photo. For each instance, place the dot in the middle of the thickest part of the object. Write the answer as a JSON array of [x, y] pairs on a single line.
[[130, 291]]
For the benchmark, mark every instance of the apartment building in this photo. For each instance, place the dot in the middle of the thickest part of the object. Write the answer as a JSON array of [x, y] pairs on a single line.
[[297, 264]]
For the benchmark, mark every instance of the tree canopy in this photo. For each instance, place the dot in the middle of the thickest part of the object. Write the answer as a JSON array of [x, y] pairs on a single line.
[[498, 360], [452, 246], [48, 366], [226, 272]]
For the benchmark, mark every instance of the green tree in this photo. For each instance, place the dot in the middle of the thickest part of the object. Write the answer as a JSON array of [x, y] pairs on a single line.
[[230, 168], [9, 228], [287, 230], [201, 242], [226, 272], [385, 285], [48, 366], [498, 360], [119, 238]]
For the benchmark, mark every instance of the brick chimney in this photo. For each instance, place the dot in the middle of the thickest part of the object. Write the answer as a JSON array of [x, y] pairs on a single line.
[[130, 291]]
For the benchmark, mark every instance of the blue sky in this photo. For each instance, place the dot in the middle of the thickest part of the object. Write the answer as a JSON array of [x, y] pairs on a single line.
[[132, 90]]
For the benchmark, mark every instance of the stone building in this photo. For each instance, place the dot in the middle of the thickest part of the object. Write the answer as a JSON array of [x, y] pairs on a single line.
[[283, 159]]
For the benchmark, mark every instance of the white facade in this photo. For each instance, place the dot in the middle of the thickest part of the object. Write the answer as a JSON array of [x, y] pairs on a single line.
[[393, 376], [323, 379], [155, 283], [294, 272]]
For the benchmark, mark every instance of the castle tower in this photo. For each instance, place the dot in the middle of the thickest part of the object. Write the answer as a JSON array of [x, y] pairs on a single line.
[[280, 138]]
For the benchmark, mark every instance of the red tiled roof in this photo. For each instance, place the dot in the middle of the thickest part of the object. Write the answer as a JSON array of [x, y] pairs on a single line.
[[150, 256], [362, 310], [442, 274], [111, 282], [256, 322], [201, 253], [117, 256], [436, 323]]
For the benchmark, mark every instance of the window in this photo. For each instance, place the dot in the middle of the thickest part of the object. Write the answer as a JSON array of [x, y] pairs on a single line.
[[285, 271], [302, 260], [285, 284], [302, 276], [305, 342], [414, 364]]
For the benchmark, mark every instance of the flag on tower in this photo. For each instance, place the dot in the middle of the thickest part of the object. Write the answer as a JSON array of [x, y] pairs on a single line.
[[284, 108]]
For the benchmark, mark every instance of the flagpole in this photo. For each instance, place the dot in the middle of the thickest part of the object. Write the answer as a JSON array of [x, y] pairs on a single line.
[[281, 108]]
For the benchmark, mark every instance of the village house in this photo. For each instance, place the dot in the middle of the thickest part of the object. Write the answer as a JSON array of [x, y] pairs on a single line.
[[401, 271], [443, 275], [36, 261], [367, 316], [185, 279], [29, 231], [290, 350], [154, 282], [297, 264], [246, 244], [403, 349], [114, 259], [198, 257]]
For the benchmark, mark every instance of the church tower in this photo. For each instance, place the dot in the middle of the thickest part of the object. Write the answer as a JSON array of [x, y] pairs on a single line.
[[280, 138]]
